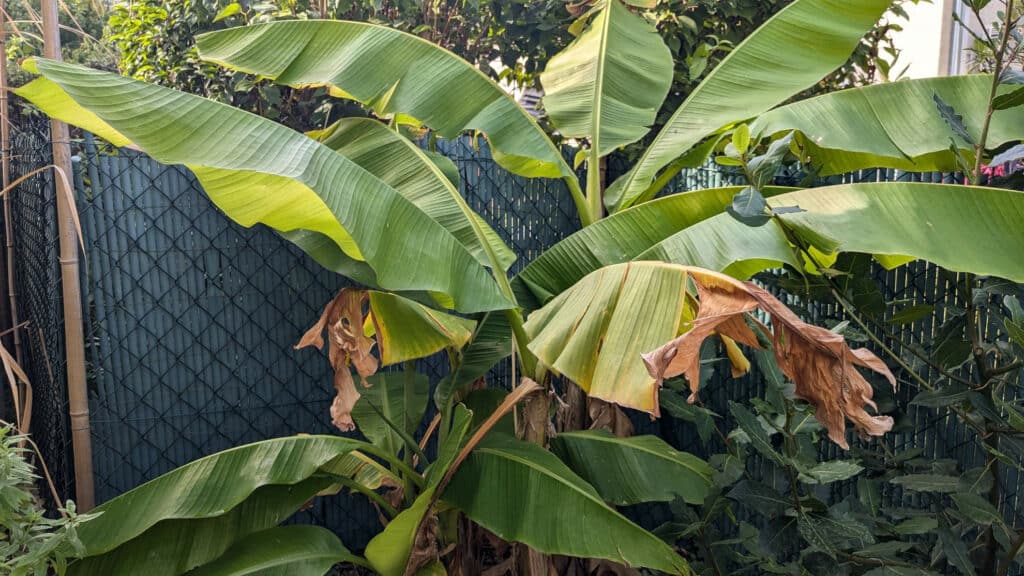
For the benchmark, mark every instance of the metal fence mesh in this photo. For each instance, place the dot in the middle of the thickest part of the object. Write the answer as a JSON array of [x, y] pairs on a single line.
[[191, 319], [38, 294]]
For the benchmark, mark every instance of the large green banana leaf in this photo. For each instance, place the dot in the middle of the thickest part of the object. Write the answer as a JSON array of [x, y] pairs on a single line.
[[959, 227], [524, 493], [619, 238], [174, 546], [634, 470], [610, 82], [281, 551], [194, 513], [420, 178], [395, 73], [401, 397], [894, 125], [259, 171], [790, 52]]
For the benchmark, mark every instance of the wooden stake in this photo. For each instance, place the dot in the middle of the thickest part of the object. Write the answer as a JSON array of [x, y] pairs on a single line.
[[74, 336]]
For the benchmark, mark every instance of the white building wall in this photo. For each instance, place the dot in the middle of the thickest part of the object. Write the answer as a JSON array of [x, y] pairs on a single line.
[[932, 44]]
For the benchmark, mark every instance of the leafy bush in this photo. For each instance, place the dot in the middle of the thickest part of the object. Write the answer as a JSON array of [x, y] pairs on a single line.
[[30, 543]]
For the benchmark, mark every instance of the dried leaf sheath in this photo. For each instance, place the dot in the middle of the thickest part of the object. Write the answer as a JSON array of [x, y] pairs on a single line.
[[343, 320], [819, 362], [616, 333], [401, 330]]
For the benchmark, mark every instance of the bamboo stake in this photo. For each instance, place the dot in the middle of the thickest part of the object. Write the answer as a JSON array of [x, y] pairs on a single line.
[[5, 176], [74, 337]]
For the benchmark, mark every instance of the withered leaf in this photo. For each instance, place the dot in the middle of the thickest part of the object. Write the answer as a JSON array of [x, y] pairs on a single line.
[[608, 416], [819, 362], [347, 345]]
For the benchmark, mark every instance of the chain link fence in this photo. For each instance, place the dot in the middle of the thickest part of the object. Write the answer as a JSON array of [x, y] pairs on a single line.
[[191, 320], [38, 295]]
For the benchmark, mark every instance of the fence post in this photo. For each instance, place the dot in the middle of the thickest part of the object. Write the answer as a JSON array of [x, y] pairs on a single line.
[[74, 336]]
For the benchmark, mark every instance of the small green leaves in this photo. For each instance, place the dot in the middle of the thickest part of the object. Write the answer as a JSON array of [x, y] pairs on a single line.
[[677, 406], [950, 348], [1007, 101], [953, 120], [832, 471], [579, 158], [869, 492], [741, 138], [956, 551], [928, 482], [831, 534], [893, 549], [728, 161], [917, 525], [759, 497], [764, 167], [228, 11], [912, 314], [946, 396], [755, 432], [748, 206], [977, 509]]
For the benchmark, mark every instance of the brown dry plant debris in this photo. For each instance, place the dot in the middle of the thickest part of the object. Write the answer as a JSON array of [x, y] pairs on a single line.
[[818, 361], [347, 345]]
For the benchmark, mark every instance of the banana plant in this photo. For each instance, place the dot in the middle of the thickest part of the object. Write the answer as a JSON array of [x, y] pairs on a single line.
[[617, 307]]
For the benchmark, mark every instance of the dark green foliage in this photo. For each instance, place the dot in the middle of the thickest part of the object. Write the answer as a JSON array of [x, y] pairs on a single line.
[[155, 42], [791, 506]]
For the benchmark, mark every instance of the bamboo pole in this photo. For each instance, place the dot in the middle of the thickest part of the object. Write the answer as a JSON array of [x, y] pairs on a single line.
[[74, 336], [5, 175]]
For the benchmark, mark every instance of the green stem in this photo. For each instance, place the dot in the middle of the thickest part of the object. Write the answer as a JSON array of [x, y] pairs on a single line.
[[991, 544], [527, 360], [371, 494], [790, 453], [396, 464], [407, 397], [582, 207], [973, 332], [595, 206], [979, 150], [663, 179]]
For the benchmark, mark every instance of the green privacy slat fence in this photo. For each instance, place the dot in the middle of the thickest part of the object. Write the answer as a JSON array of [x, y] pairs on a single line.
[[192, 318], [191, 322]]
